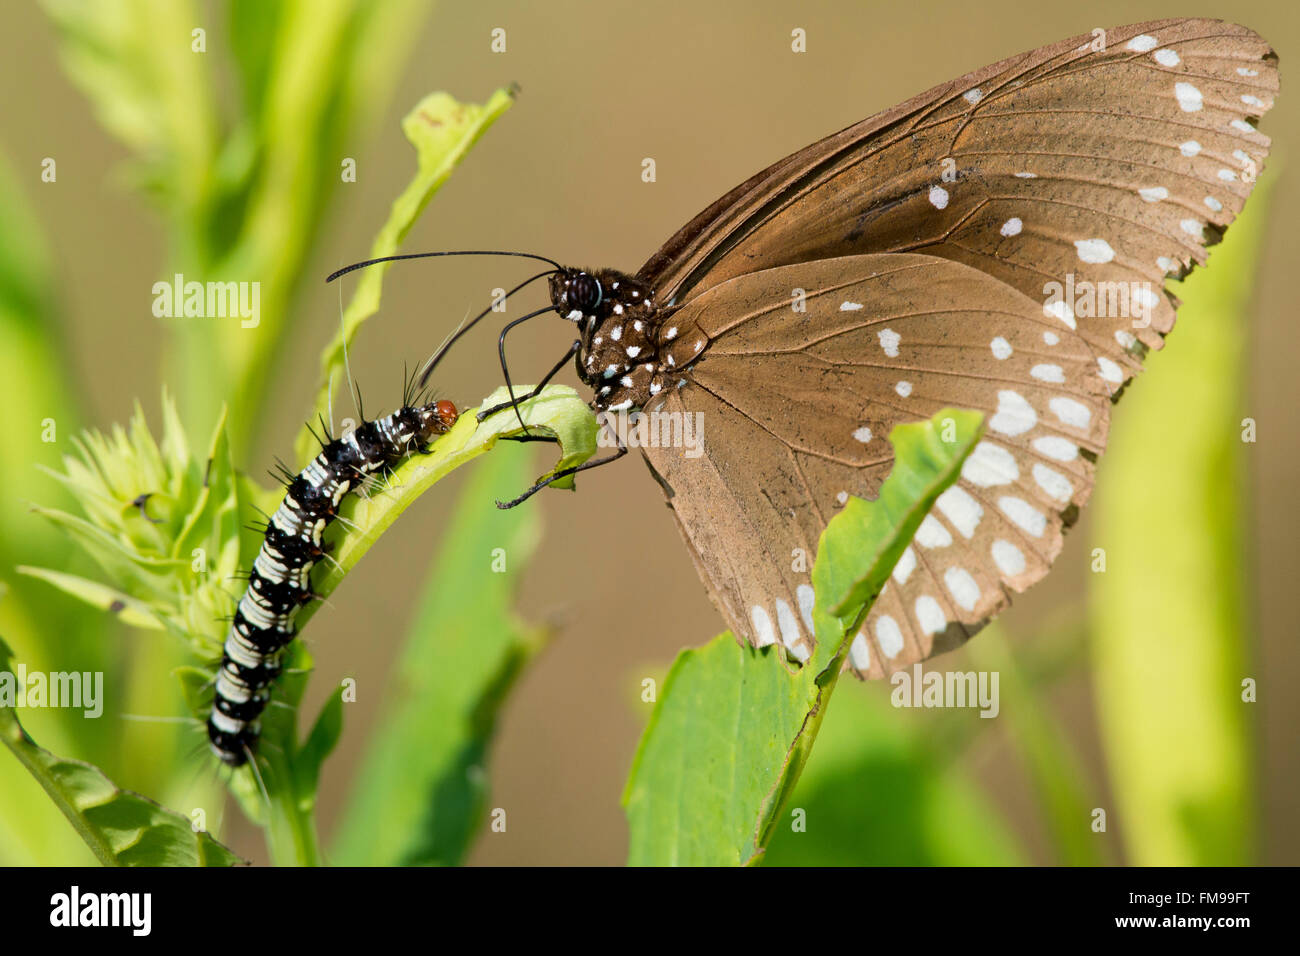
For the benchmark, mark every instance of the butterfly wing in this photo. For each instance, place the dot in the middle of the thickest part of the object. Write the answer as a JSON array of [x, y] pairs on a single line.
[[1101, 159], [881, 339]]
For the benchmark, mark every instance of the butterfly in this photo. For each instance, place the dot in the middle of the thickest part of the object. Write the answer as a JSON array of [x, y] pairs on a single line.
[[998, 243]]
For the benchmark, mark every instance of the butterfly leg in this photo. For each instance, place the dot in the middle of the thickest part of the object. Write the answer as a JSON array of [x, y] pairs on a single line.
[[514, 402], [564, 473]]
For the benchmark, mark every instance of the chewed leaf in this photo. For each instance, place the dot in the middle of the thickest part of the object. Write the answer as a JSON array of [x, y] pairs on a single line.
[[120, 827], [442, 130], [733, 728], [557, 412], [850, 547]]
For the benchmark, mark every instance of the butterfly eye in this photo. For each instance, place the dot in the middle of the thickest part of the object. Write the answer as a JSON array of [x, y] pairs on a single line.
[[584, 292]]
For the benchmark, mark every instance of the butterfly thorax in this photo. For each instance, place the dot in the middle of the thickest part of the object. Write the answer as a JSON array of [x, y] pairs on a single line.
[[622, 354]]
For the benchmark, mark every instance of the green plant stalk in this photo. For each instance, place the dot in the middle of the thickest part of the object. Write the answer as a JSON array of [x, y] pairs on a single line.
[[1168, 618]]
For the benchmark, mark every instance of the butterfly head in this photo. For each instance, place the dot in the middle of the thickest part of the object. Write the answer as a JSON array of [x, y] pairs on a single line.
[[576, 294]]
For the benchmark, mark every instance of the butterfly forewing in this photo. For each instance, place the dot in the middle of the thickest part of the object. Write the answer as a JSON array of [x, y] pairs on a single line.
[[1101, 159], [847, 348]]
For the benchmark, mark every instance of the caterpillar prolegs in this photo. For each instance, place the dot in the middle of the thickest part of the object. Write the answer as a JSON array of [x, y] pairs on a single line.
[[279, 582]]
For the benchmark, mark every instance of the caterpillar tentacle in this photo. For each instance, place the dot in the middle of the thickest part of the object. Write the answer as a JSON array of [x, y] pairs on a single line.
[[279, 583]]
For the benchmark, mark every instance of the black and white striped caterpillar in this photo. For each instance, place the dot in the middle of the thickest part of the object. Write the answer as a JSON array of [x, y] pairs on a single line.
[[279, 582]]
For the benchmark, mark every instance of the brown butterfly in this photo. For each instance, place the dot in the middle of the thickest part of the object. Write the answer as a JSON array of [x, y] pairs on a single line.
[[998, 243]]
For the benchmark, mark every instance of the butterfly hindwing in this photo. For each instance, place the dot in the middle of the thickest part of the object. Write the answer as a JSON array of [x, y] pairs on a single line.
[[847, 348]]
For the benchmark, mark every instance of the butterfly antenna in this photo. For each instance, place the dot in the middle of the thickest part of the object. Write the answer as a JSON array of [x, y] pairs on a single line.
[[466, 326], [433, 255]]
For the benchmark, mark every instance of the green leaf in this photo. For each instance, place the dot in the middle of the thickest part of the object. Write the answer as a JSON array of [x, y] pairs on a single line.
[[732, 728], [1170, 630], [120, 827], [442, 131], [130, 611], [421, 795]]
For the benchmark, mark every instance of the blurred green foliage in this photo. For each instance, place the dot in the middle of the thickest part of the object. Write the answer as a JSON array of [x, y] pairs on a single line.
[[243, 185]]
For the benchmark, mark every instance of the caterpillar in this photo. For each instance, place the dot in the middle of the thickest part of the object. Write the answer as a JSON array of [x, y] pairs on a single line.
[[279, 582]]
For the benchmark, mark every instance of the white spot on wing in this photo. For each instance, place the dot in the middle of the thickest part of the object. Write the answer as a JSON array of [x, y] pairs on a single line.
[[862, 434], [904, 389], [1054, 446], [1190, 148], [888, 636], [889, 340], [961, 509], [791, 636], [938, 197], [850, 306], [930, 615], [932, 534], [1060, 310], [1009, 559], [1094, 251], [764, 634], [1189, 97], [1142, 43], [860, 653], [1012, 227], [1154, 193], [1110, 372], [1071, 412], [1025, 515], [905, 566], [1055, 484], [1166, 58], [961, 585], [804, 593], [990, 465], [1001, 348], [1048, 373], [1014, 416]]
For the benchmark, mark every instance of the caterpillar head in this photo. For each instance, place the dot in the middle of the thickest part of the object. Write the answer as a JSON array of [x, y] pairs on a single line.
[[435, 419]]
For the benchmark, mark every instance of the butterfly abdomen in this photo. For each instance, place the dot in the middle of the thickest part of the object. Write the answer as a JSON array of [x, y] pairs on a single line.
[[280, 580]]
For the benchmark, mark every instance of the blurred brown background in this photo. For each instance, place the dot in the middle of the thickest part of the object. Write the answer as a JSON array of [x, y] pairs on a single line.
[[712, 93]]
